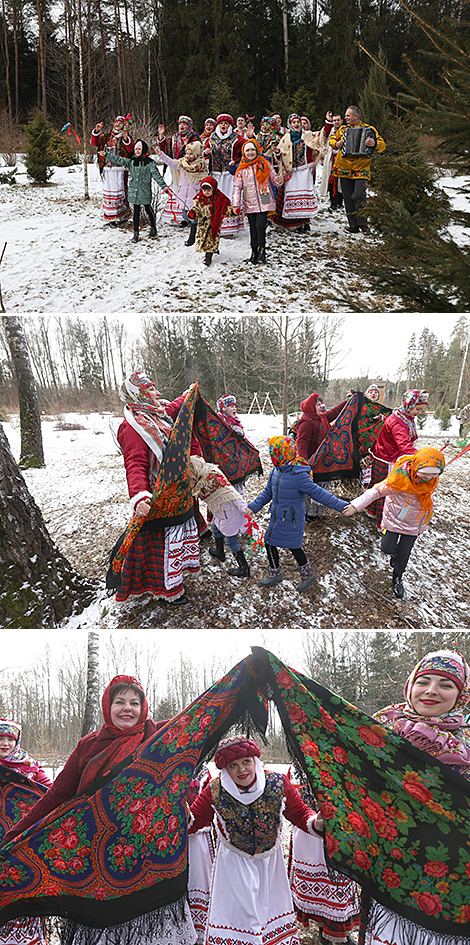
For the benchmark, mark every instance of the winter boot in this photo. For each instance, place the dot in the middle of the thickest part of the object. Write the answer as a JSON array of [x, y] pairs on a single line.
[[393, 560], [208, 259], [254, 255], [243, 569], [153, 232], [397, 586], [274, 576], [135, 238], [218, 551], [308, 577], [262, 255], [192, 235]]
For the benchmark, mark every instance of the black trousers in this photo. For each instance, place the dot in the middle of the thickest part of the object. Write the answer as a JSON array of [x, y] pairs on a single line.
[[258, 223], [393, 543], [273, 555], [150, 215], [354, 194]]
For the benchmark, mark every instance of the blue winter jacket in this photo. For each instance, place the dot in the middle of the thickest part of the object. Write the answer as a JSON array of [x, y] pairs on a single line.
[[285, 489]]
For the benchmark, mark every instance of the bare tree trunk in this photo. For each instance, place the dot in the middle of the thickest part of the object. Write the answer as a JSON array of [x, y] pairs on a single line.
[[86, 193], [285, 379], [38, 586], [41, 59], [32, 453], [17, 73], [286, 42], [92, 705], [7, 67]]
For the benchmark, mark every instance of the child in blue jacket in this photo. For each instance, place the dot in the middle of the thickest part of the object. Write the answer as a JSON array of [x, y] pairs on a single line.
[[288, 483]]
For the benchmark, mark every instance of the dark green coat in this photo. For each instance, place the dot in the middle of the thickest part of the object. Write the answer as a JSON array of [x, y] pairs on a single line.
[[140, 178]]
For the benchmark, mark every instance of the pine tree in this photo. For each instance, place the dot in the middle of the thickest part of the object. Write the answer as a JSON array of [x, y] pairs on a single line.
[[375, 99], [38, 152]]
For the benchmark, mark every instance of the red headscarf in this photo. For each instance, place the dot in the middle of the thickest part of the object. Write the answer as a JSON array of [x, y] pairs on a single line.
[[218, 202], [113, 743], [309, 407]]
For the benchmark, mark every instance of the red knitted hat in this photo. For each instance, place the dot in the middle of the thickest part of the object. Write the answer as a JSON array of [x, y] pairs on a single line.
[[224, 116], [232, 748]]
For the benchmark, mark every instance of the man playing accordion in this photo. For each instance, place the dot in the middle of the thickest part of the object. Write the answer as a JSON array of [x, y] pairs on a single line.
[[357, 142]]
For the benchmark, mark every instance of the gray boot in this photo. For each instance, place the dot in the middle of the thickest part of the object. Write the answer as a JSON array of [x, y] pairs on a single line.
[[243, 569], [218, 551], [308, 577], [274, 576]]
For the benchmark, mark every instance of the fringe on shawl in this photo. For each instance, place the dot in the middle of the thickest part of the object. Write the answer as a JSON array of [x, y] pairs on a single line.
[[402, 931]]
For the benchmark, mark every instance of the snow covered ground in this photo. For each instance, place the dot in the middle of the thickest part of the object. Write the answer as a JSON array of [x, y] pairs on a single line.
[[61, 258], [83, 496]]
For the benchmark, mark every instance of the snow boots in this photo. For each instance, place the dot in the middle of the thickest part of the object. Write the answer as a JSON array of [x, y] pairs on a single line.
[[153, 232], [262, 255], [192, 235], [397, 586], [218, 551], [243, 569], [208, 259], [274, 576], [254, 255], [308, 577], [135, 238]]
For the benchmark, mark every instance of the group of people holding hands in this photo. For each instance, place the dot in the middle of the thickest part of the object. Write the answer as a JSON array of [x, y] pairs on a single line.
[[231, 171], [400, 495]]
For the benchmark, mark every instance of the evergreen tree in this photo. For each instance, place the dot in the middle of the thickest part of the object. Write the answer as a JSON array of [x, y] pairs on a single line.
[[38, 152], [374, 101]]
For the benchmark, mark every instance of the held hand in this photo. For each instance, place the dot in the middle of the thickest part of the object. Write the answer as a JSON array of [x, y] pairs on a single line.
[[349, 510], [143, 506]]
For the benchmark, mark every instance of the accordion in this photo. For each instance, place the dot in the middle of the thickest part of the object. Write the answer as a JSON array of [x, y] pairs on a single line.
[[353, 141]]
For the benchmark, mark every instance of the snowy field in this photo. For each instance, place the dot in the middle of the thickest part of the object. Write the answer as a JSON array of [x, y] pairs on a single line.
[[83, 496], [61, 258]]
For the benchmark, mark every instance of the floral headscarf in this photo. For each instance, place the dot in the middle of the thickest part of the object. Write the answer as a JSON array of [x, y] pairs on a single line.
[[403, 477], [261, 165], [18, 759], [309, 123], [148, 420], [283, 452], [413, 398], [439, 735]]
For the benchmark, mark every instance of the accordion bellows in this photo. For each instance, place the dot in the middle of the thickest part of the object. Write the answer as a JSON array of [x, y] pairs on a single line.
[[354, 141]]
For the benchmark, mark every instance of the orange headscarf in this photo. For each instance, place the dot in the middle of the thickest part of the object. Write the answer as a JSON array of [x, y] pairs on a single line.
[[261, 164], [403, 477]]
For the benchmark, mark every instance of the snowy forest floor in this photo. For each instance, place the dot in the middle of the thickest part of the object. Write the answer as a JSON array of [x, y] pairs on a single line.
[[83, 496], [61, 258]]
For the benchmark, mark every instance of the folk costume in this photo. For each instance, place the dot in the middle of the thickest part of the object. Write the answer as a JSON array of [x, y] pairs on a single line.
[[252, 194], [200, 861], [288, 483], [210, 212], [321, 895], [175, 148], [268, 137], [330, 184], [354, 172], [141, 171], [186, 176], [445, 737], [396, 438], [300, 152], [95, 755], [311, 430], [224, 155], [407, 505], [17, 797], [227, 507], [158, 556], [226, 401], [250, 898], [116, 207]]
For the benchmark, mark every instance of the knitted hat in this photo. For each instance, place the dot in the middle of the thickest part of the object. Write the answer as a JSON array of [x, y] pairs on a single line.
[[225, 117], [413, 398], [224, 402], [230, 749], [10, 727]]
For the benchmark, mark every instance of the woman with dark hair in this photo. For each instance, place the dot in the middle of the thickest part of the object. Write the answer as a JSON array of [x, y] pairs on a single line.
[[141, 170]]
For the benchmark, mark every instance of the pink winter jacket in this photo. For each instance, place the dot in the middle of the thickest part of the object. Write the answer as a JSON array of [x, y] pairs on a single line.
[[187, 187], [246, 193], [402, 512]]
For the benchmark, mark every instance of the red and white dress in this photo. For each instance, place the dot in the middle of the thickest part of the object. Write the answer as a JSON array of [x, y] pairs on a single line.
[[250, 902]]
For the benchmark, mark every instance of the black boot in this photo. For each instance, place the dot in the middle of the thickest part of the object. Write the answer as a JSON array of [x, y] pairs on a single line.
[[192, 235], [135, 238], [153, 232], [208, 259], [218, 551], [262, 255], [254, 256], [397, 586], [243, 569]]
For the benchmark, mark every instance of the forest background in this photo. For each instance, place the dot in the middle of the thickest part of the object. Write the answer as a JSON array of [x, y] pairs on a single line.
[[366, 668], [79, 364]]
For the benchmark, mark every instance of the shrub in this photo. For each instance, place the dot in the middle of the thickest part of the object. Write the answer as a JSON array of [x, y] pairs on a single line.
[[38, 159], [61, 153]]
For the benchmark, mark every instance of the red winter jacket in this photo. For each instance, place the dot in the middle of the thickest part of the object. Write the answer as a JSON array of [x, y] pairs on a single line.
[[66, 783], [311, 431], [394, 440]]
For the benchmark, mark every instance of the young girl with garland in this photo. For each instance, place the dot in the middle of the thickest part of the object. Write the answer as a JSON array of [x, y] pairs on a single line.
[[228, 509], [15, 760], [141, 170], [432, 718], [408, 506], [288, 483], [250, 900]]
